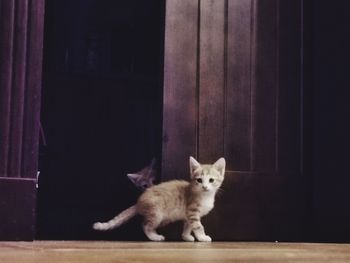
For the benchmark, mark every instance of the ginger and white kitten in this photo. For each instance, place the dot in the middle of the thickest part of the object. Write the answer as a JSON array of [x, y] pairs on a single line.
[[146, 177], [176, 200]]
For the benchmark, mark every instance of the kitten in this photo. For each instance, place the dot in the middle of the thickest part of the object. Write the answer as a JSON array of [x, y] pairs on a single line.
[[146, 177], [176, 200]]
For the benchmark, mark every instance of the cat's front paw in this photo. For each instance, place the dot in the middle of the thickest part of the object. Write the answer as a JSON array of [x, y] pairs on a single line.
[[204, 238], [188, 238]]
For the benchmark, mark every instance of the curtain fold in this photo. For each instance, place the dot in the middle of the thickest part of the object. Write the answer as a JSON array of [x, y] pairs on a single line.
[[21, 35]]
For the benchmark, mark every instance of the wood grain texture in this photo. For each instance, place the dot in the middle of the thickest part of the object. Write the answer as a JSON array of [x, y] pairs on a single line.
[[257, 61], [265, 89], [180, 88], [259, 206], [239, 80], [223, 252], [211, 80]]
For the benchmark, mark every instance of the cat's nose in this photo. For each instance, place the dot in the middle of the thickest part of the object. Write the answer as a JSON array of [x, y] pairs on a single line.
[[205, 188]]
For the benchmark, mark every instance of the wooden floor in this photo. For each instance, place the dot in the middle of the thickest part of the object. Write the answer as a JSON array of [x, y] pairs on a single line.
[[99, 252]]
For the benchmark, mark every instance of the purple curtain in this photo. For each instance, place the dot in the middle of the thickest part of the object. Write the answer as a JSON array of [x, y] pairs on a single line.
[[21, 40]]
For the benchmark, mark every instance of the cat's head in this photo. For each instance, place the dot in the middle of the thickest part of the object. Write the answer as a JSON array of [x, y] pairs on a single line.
[[207, 177], [146, 177]]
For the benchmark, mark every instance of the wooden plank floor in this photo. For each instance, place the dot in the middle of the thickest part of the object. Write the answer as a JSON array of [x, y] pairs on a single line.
[[120, 252]]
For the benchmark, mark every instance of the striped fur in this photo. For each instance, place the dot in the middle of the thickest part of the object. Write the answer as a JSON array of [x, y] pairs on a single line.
[[117, 221], [176, 200]]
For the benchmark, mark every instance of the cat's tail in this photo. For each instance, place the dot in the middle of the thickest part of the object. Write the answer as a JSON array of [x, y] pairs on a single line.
[[117, 221]]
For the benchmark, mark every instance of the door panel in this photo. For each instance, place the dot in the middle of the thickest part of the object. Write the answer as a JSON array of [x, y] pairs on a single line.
[[180, 98], [265, 89], [239, 84], [259, 206], [246, 107], [211, 78]]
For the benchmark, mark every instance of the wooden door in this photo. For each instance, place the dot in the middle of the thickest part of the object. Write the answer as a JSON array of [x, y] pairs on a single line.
[[21, 33], [233, 87]]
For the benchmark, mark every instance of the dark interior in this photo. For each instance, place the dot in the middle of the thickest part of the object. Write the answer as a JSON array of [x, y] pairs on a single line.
[[328, 49], [101, 112]]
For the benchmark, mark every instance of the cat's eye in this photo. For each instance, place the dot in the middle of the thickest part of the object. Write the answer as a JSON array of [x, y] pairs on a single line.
[[211, 180], [199, 180]]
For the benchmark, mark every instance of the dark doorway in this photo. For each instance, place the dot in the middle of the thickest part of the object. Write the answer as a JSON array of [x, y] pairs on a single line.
[[101, 111]]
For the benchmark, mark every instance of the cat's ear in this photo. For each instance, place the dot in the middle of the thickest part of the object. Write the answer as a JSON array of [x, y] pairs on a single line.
[[194, 165], [220, 166], [133, 177]]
